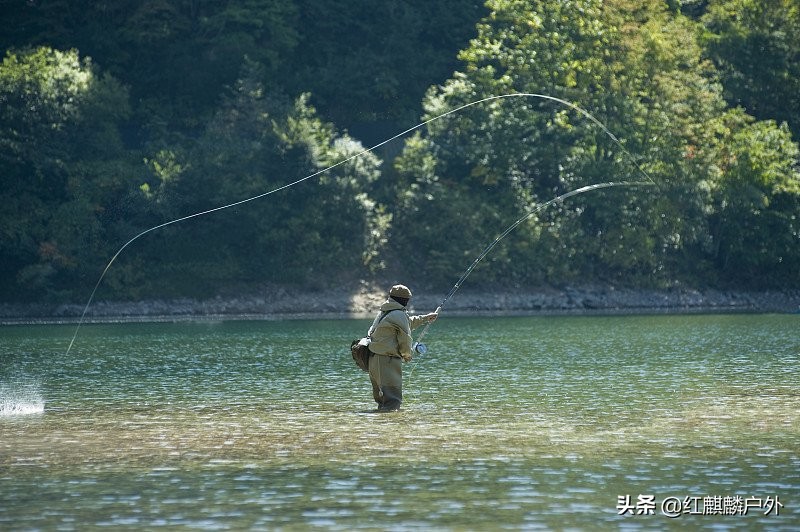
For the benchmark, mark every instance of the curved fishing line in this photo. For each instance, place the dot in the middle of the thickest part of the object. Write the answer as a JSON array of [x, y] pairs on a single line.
[[335, 165]]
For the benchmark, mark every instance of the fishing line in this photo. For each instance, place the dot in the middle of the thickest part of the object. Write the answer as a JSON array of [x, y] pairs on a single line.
[[335, 165]]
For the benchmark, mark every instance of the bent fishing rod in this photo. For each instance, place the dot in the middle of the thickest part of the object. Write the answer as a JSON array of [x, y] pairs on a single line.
[[419, 346]]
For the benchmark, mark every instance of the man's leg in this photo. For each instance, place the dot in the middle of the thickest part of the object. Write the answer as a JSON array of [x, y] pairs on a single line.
[[391, 373]]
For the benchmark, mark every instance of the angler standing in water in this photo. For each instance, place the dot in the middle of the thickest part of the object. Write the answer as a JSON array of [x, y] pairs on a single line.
[[391, 345]]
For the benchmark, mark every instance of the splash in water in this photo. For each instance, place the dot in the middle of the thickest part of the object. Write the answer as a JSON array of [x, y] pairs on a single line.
[[20, 400]]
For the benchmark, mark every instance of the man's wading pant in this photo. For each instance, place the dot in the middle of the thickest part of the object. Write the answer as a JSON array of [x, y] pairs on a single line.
[[386, 374]]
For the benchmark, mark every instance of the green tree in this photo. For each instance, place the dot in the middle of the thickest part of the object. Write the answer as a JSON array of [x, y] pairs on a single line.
[[369, 62], [324, 228], [508, 155], [756, 47], [62, 167], [176, 57], [638, 67], [197, 106], [755, 216]]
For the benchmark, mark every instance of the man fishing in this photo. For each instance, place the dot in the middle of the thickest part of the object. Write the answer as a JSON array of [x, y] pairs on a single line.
[[391, 345]]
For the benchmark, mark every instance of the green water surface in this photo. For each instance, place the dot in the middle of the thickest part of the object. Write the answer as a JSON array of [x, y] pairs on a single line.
[[508, 423]]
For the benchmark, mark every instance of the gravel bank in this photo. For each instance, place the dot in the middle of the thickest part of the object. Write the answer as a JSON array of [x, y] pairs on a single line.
[[363, 300]]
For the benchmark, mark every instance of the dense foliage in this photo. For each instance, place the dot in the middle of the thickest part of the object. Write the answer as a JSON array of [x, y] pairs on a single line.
[[117, 117]]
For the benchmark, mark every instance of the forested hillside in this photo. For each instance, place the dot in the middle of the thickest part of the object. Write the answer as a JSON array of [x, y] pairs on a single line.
[[116, 117]]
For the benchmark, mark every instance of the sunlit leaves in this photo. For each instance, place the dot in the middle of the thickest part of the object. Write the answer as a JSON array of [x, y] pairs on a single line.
[[260, 141], [63, 166], [639, 68]]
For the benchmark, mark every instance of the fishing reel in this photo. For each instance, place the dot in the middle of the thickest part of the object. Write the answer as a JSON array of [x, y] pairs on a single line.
[[420, 348]]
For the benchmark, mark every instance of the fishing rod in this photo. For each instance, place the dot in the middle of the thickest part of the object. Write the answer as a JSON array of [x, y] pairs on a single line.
[[419, 346], [546, 97]]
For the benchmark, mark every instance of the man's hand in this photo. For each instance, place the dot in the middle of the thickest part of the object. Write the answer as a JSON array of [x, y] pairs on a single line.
[[430, 318], [406, 358]]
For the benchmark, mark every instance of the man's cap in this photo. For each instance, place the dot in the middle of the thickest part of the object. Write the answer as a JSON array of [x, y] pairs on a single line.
[[400, 290]]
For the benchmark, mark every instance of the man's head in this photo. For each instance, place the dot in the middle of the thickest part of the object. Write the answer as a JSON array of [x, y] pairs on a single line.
[[400, 293]]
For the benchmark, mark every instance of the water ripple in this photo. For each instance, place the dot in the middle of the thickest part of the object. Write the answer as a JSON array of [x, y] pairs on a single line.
[[516, 423]]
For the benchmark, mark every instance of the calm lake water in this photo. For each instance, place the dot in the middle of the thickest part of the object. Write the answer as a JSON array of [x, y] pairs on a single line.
[[517, 423]]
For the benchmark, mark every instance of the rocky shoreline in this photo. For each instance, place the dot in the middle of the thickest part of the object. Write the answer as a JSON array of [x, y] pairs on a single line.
[[363, 300]]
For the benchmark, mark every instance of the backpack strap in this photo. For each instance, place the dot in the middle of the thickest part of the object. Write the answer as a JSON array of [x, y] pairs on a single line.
[[377, 321]]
